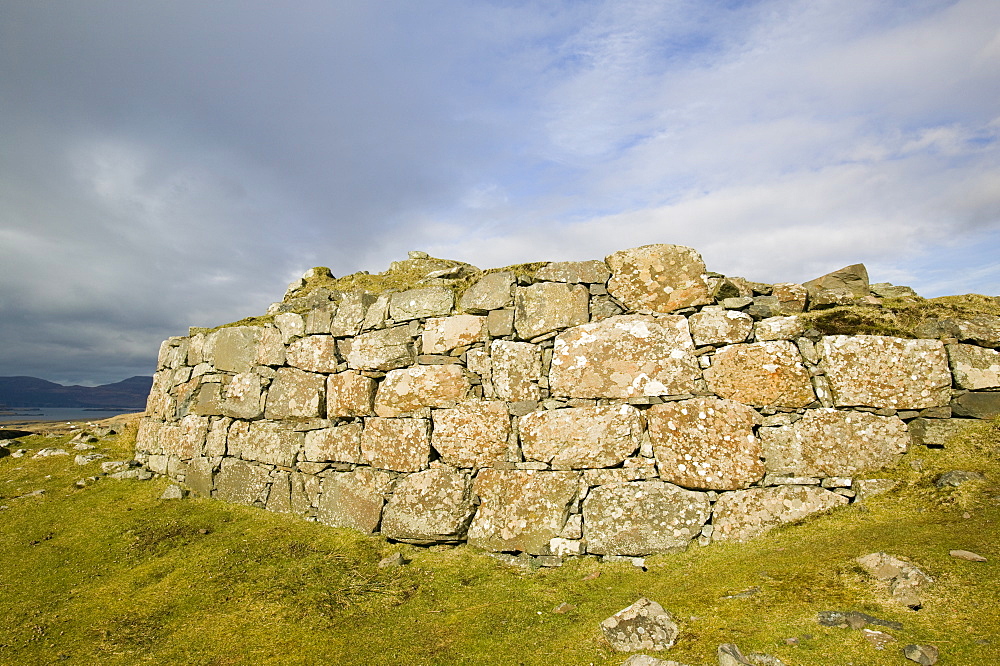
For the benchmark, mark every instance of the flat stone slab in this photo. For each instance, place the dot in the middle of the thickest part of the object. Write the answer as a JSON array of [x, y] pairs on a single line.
[[778, 328], [242, 398], [442, 334], [830, 442], [643, 626], [421, 303], [706, 443], [936, 432], [385, 349], [717, 326], [642, 518], [763, 374], [549, 306], [658, 278], [974, 367], [234, 349], [977, 405], [521, 510], [314, 353], [881, 371], [492, 291], [272, 442], [473, 434], [401, 445], [406, 390], [338, 444], [429, 507], [588, 272], [354, 499], [241, 482], [579, 437], [625, 356], [744, 514]]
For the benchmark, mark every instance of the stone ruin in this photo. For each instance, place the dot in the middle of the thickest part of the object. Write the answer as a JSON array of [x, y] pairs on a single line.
[[623, 407]]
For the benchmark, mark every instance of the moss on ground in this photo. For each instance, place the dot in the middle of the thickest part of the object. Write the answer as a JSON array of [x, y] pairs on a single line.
[[899, 317], [111, 574]]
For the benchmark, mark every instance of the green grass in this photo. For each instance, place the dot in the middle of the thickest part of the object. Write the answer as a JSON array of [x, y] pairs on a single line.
[[110, 574]]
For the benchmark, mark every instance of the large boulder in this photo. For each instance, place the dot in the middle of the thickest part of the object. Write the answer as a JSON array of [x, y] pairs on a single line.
[[706, 443], [579, 437], [885, 372], [625, 356], [853, 278], [642, 518], [658, 278]]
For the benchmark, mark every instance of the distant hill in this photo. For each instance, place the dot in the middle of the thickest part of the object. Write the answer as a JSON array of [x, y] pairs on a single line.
[[34, 392]]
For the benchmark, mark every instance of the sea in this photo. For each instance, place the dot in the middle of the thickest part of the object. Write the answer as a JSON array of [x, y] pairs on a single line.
[[60, 413]]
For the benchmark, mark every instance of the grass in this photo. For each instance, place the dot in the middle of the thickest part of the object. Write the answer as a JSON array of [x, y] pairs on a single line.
[[899, 317], [111, 574]]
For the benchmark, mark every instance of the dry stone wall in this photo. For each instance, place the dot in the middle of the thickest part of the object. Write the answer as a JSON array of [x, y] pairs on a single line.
[[622, 407]]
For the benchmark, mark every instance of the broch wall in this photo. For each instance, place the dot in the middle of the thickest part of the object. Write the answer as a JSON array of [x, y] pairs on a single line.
[[620, 407]]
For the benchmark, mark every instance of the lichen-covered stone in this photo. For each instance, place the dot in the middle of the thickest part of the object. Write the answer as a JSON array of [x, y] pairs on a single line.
[[338, 444], [853, 278], [242, 398], [350, 314], [430, 506], [744, 514], [521, 510], [716, 326], [272, 442], [353, 499], [791, 297], [829, 442], [983, 330], [406, 390], [421, 303], [643, 626], [401, 445], [974, 367], [349, 394], [295, 393], [578, 437], [762, 374], [314, 353], [234, 349], [190, 437], [492, 291], [241, 482], [642, 518], [473, 434], [442, 334], [880, 371], [658, 278], [549, 306], [588, 272], [291, 326], [517, 367], [936, 433], [624, 357], [384, 349], [706, 443], [778, 328], [199, 476]]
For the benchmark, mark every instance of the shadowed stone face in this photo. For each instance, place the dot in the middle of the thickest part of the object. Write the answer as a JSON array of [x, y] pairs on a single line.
[[409, 389], [642, 518], [658, 278], [743, 514], [430, 506], [521, 510], [761, 374], [581, 437], [624, 357], [472, 435], [880, 371], [706, 443], [827, 442]]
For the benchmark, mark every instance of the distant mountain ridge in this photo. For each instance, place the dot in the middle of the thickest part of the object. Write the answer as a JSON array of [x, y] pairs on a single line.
[[35, 392]]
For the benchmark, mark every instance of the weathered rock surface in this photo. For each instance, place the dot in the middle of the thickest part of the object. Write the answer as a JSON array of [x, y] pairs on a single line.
[[925, 655], [338, 444], [442, 334], [706, 443], [762, 374], [974, 367], [234, 349], [349, 394], [516, 368], [295, 393], [431, 506], [623, 357], [880, 371], [243, 397], [492, 291], [906, 581], [658, 278], [978, 405], [936, 433], [408, 389], [983, 331], [271, 442], [549, 306], [743, 514], [521, 510], [642, 518], [828, 442], [385, 349], [581, 437], [717, 326], [241, 482], [421, 303], [590, 272], [401, 445], [778, 328], [642, 626], [354, 499], [853, 278], [473, 434], [314, 353]]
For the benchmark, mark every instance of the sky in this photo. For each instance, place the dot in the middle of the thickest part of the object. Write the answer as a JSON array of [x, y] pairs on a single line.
[[175, 164]]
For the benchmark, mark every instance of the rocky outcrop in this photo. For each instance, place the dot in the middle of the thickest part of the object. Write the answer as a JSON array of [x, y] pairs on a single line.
[[622, 407]]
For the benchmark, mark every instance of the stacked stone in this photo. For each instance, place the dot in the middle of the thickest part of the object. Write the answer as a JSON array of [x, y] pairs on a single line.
[[618, 407]]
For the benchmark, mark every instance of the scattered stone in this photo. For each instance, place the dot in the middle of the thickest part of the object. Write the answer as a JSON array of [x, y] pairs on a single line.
[[47, 452], [730, 655], [966, 555], [84, 447], [854, 620], [83, 437], [755, 590], [11, 433], [925, 655], [19, 453], [759, 659], [646, 660], [392, 561], [905, 580], [879, 639], [642, 626], [173, 492], [957, 477], [88, 458]]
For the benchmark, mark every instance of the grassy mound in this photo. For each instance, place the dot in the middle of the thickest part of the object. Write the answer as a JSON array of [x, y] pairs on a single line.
[[110, 574]]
